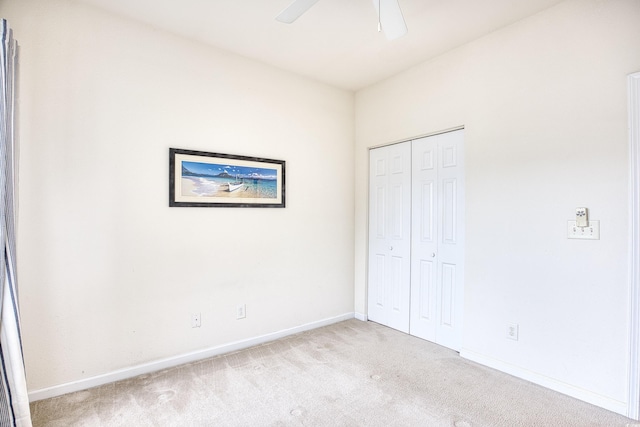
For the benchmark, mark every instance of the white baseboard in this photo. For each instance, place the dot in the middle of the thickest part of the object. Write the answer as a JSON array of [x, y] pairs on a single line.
[[170, 362], [550, 383], [360, 316]]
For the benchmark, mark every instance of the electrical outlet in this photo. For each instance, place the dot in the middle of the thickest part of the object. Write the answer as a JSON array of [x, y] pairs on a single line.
[[196, 320], [241, 311], [512, 331]]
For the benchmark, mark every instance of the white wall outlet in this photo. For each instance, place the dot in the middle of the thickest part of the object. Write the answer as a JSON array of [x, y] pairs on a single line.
[[512, 331], [241, 311], [196, 320]]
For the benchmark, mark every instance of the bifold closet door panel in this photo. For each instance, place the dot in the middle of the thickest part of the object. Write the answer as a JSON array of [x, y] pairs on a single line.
[[437, 248], [390, 235], [424, 239]]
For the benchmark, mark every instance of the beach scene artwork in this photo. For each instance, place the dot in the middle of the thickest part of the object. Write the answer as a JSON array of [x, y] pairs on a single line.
[[200, 179]]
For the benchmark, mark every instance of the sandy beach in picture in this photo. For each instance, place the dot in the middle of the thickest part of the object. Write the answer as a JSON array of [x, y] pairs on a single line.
[[202, 187]]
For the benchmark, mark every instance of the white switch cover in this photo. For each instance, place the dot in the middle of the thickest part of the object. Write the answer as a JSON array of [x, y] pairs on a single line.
[[590, 232]]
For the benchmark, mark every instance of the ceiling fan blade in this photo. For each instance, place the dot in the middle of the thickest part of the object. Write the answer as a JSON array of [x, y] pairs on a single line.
[[391, 18], [295, 10]]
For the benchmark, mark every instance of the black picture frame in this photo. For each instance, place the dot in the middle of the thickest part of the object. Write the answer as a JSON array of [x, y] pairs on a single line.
[[215, 180]]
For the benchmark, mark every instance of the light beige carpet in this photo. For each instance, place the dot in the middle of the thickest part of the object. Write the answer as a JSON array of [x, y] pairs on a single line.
[[352, 373]]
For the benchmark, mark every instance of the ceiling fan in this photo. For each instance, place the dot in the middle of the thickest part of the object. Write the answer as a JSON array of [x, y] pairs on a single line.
[[390, 18]]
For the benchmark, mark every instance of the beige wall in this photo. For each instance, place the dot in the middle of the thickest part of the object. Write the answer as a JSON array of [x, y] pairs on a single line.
[[544, 107], [109, 274]]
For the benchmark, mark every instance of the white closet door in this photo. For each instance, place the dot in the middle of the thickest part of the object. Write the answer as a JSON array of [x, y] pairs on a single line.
[[424, 242], [390, 235], [437, 260]]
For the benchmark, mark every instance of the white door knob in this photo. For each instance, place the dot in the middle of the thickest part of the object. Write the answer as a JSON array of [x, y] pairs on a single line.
[[433, 254]]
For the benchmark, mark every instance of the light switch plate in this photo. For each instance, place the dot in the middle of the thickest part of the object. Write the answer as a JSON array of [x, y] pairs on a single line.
[[590, 232]]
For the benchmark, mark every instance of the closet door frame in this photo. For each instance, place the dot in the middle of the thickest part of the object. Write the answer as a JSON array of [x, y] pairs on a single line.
[[370, 259]]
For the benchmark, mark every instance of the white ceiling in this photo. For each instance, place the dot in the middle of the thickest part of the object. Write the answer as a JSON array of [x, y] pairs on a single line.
[[336, 41]]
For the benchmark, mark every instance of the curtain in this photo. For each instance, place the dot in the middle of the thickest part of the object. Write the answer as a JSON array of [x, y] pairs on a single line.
[[14, 400]]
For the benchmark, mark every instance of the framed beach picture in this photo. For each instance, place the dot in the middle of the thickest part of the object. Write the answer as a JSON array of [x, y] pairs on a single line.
[[202, 179]]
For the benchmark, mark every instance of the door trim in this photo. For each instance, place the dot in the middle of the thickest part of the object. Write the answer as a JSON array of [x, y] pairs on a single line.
[[367, 316], [400, 141], [633, 402]]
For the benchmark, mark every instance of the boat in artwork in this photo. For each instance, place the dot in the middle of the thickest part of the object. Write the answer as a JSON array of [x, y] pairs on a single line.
[[235, 185]]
